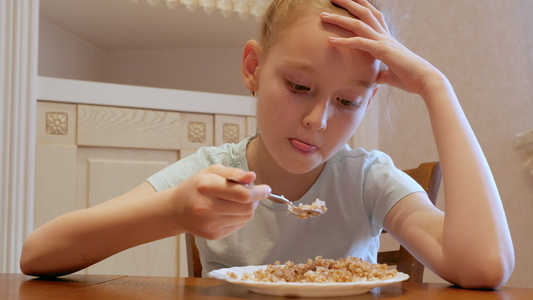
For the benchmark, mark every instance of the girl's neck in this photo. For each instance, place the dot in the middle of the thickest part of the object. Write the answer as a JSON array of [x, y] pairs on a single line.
[[292, 186]]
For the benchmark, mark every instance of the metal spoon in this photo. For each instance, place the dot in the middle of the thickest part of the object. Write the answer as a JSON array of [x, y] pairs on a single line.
[[300, 212]]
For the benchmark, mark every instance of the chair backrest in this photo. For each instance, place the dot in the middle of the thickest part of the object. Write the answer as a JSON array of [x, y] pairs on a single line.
[[194, 266], [428, 175]]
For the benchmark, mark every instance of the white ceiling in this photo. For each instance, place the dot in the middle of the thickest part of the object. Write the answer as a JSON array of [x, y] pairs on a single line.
[[123, 24]]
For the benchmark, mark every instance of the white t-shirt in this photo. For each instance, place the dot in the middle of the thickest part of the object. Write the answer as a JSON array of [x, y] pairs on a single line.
[[359, 189]]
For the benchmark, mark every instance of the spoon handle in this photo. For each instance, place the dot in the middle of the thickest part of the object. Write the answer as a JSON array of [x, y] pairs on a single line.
[[233, 180], [271, 197], [295, 210]]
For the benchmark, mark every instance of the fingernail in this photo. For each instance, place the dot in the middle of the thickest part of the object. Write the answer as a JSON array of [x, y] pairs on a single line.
[[268, 190], [325, 14]]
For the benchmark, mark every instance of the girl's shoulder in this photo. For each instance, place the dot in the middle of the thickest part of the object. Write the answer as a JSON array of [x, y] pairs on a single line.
[[228, 154], [362, 164], [360, 156]]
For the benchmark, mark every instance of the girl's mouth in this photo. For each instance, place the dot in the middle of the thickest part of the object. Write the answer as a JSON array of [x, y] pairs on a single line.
[[302, 146]]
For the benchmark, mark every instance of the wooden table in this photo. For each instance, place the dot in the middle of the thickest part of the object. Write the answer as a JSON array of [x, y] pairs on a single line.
[[17, 286]]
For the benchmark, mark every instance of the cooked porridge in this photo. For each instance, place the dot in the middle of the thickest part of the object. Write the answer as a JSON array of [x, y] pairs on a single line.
[[321, 270]]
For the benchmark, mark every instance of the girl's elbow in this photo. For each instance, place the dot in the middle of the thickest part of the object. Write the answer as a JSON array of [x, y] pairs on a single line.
[[27, 263], [29, 269], [491, 274], [34, 268], [32, 261]]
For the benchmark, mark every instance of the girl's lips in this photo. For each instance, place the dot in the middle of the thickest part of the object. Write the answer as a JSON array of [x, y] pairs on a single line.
[[302, 146]]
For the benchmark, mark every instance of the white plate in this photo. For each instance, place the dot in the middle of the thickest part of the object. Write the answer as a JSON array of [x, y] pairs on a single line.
[[293, 289]]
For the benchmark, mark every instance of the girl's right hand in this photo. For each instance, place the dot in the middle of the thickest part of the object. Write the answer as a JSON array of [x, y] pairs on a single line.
[[208, 206], [406, 70]]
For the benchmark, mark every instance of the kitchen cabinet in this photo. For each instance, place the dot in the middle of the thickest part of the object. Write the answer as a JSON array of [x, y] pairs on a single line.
[[87, 154]]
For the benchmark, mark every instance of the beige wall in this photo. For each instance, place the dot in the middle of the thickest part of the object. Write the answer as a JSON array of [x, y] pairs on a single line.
[[484, 47], [486, 50], [64, 55], [198, 69]]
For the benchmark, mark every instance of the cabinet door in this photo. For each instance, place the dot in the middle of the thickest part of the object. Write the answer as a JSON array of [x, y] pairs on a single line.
[[104, 173], [119, 149]]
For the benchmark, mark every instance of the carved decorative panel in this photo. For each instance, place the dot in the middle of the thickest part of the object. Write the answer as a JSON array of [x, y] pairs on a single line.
[[56, 123], [199, 131], [230, 133], [196, 132], [229, 129]]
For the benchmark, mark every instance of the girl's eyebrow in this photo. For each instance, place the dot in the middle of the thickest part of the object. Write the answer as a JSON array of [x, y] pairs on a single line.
[[362, 83], [291, 65]]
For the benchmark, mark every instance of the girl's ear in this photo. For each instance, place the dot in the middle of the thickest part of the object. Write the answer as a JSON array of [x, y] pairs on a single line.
[[250, 65], [374, 92]]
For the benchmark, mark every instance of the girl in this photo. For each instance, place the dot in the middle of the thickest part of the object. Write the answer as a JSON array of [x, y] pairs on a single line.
[[315, 70]]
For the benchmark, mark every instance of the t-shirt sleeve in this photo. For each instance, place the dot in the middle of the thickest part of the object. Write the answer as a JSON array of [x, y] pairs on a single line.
[[176, 173], [181, 170], [384, 186], [184, 168]]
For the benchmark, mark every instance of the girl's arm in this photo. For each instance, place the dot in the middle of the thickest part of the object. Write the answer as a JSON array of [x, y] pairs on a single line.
[[81, 238], [470, 244], [204, 205]]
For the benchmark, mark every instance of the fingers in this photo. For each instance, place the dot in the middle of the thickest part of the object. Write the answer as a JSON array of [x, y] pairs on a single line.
[[378, 15], [367, 13], [375, 48], [368, 26], [359, 28], [241, 175], [214, 184]]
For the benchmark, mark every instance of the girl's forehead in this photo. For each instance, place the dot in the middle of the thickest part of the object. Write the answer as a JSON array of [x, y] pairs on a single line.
[[305, 44], [307, 29], [282, 15]]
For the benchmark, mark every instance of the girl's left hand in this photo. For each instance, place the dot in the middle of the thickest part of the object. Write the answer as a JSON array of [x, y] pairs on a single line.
[[406, 70]]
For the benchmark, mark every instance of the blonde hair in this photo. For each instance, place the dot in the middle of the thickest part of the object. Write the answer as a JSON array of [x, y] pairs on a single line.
[[281, 13]]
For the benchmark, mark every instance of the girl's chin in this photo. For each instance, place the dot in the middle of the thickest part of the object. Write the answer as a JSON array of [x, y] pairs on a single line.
[[299, 167]]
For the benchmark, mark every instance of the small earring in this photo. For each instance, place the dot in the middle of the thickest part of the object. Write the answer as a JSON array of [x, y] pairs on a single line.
[[253, 93]]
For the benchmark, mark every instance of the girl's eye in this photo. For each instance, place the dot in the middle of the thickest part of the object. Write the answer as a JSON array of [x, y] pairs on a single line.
[[348, 104], [297, 88]]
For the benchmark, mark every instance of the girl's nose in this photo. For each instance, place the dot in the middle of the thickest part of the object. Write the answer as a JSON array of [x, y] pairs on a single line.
[[317, 117]]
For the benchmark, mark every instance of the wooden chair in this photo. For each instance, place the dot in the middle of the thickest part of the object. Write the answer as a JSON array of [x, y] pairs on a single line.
[[194, 266], [428, 175]]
